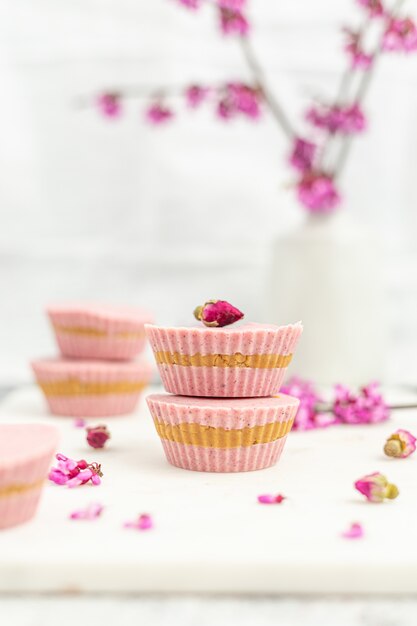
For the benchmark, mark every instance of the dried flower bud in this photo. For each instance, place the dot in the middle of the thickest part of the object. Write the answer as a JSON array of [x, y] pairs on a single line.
[[400, 444], [97, 436], [376, 488], [217, 313]]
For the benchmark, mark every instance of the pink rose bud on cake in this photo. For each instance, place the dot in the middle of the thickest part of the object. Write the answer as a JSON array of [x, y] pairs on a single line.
[[376, 488], [400, 444], [217, 313], [97, 436]]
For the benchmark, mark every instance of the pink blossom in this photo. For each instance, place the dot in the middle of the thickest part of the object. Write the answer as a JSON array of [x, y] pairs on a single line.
[[374, 7], [158, 113], [359, 58], [143, 522], [302, 155], [304, 390], [318, 193], [355, 531], [97, 436], [217, 313], [233, 22], [91, 512], [79, 422], [109, 104], [400, 35], [195, 95], [347, 120], [190, 4], [271, 499], [239, 98], [233, 5], [74, 473], [375, 487], [367, 407], [400, 444]]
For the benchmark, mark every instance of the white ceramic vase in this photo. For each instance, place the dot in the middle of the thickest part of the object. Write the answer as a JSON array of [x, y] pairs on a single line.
[[327, 273]]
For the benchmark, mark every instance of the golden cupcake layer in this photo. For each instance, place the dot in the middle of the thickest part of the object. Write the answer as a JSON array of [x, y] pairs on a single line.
[[97, 333], [12, 490], [75, 387], [212, 437], [263, 361]]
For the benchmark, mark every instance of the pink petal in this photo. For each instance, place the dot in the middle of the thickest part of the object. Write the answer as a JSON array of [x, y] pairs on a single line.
[[271, 499], [355, 531], [93, 511]]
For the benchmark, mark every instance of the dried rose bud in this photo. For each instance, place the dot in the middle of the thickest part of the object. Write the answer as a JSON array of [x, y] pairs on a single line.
[[217, 313], [400, 444], [97, 436], [375, 487]]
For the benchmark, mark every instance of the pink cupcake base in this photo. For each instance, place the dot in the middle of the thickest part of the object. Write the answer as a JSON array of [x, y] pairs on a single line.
[[243, 459], [221, 382], [18, 509], [93, 406]]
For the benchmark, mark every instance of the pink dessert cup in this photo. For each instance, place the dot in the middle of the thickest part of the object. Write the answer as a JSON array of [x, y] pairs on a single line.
[[99, 332], [26, 452], [222, 435], [91, 388], [239, 361]]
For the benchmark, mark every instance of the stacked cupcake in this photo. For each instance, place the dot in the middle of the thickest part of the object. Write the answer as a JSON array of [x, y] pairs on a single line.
[[226, 414], [97, 375]]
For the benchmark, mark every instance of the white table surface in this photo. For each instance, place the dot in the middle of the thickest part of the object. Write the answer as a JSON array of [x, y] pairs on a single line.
[[168, 559]]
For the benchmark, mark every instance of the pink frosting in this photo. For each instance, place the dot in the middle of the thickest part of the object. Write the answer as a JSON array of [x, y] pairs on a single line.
[[243, 338]]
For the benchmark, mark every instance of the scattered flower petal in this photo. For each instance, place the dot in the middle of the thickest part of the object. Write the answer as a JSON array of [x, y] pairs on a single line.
[[355, 531], [367, 407], [302, 155], [271, 499], [109, 104], [217, 313], [74, 473], [190, 4], [317, 192], [347, 120], [239, 99], [400, 444], [304, 390], [91, 512], [376, 488], [79, 422], [195, 95], [400, 35], [158, 113], [97, 436], [144, 522]]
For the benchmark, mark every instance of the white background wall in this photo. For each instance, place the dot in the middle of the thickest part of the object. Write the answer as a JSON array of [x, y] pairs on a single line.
[[167, 217]]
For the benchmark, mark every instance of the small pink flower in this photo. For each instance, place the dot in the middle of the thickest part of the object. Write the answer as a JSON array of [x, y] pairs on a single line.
[[304, 390], [400, 444], [91, 512], [217, 313], [158, 113], [367, 407], [346, 120], [376, 488], [374, 7], [317, 192], [302, 155], [239, 98], [400, 35], [97, 436], [355, 531], [233, 5], [233, 22], [195, 95], [144, 522], [109, 104], [271, 499], [74, 473], [359, 58], [190, 4], [79, 422]]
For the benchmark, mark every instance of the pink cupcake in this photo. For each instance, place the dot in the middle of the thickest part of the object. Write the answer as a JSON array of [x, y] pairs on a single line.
[[26, 452], [91, 388], [222, 435], [247, 360], [99, 332]]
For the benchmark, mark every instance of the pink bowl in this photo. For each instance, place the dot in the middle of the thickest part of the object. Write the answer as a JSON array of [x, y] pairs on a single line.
[[99, 332]]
